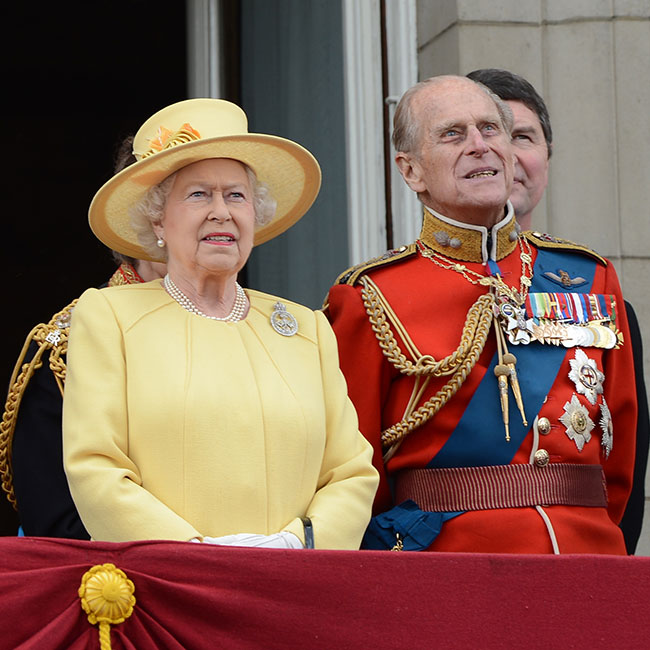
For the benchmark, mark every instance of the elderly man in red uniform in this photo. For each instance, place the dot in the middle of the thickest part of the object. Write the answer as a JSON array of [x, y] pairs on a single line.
[[490, 368]]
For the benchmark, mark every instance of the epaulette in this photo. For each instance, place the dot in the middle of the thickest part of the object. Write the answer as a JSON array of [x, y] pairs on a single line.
[[125, 274], [52, 336], [389, 257], [542, 240]]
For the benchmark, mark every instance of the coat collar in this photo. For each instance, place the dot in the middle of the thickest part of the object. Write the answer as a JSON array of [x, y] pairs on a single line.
[[469, 243]]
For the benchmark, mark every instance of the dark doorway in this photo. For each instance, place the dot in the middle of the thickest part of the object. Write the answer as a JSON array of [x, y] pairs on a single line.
[[78, 78]]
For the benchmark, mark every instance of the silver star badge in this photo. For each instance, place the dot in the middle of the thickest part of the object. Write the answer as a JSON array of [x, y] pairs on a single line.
[[577, 422], [586, 376], [607, 427]]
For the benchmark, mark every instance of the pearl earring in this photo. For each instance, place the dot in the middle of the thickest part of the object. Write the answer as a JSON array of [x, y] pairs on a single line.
[[161, 242]]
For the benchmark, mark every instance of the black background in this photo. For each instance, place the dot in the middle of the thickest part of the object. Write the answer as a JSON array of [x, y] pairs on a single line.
[[78, 78]]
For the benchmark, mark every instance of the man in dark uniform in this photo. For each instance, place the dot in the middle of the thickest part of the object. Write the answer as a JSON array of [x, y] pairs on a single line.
[[490, 369], [31, 460], [532, 143]]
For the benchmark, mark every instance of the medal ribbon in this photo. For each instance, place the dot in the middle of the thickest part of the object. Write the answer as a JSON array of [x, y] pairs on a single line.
[[569, 308]]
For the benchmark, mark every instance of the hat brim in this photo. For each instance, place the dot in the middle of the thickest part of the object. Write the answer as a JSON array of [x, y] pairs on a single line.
[[290, 171]]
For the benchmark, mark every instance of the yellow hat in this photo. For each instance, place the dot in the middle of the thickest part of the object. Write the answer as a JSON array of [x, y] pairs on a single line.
[[190, 131]]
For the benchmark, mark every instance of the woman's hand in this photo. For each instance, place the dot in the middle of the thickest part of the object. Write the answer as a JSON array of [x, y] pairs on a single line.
[[283, 539]]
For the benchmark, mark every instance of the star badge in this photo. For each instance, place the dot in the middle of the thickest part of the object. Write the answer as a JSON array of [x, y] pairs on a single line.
[[607, 427], [577, 422], [586, 376]]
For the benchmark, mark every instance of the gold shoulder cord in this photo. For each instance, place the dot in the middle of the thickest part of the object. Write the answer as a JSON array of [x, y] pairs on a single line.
[[51, 336], [459, 364]]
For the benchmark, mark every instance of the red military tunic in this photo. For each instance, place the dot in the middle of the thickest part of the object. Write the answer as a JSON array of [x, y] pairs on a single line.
[[432, 303]]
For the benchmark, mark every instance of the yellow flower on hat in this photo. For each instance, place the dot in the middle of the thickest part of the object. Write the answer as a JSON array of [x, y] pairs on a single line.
[[166, 138], [162, 136]]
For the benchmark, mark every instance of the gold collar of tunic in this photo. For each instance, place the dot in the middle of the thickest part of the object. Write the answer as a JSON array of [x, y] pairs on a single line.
[[467, 242]]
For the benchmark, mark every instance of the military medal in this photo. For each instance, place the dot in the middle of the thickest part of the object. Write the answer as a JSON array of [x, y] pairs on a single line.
[[518, 328], [585, 375], [573, 320], [577, 422], [282, 321], [607, 427]]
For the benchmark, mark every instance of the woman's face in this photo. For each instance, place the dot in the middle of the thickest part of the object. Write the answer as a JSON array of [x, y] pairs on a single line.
[[208, 222]]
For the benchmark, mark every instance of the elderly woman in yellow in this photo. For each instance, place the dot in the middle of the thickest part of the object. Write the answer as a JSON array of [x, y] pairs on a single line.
[[194, 409]]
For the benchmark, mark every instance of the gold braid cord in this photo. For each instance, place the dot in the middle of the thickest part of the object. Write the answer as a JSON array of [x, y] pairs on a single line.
[[52, 336], [106, 595], [459, 364]]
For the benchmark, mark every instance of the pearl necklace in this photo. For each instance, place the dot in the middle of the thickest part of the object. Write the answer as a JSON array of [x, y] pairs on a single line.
[[236, 313]]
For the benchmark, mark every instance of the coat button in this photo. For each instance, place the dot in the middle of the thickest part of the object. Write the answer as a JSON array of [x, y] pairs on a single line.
[[544, 426], [542, 458]]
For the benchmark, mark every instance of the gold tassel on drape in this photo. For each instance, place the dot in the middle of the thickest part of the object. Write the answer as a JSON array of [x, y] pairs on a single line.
[[107, 597]]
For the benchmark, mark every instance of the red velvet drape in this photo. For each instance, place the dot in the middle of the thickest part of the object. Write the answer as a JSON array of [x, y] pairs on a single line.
[[201, 596]]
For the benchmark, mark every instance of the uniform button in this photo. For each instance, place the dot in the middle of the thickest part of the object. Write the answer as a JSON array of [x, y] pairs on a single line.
[[544, 426], [542, 457]]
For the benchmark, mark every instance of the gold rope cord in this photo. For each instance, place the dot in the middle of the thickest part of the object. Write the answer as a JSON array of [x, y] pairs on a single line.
[[459, 364], [52, 336], [378, 308], [425, 412]]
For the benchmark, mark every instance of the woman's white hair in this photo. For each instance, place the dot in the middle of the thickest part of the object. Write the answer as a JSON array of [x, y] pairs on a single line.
[[149, 210]]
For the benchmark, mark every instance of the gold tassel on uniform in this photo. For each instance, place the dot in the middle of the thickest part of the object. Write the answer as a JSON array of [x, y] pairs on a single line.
[[510, 360], [502, 373], [506, 373]]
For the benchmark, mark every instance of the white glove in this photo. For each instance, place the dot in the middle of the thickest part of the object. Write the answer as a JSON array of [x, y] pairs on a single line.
[[284, 539]]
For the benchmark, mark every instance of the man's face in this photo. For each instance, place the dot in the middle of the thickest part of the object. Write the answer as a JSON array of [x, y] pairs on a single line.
[[462, 165], [531, 160]]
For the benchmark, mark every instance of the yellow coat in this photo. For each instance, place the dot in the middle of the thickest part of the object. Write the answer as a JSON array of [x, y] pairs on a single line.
[[177, 426]]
